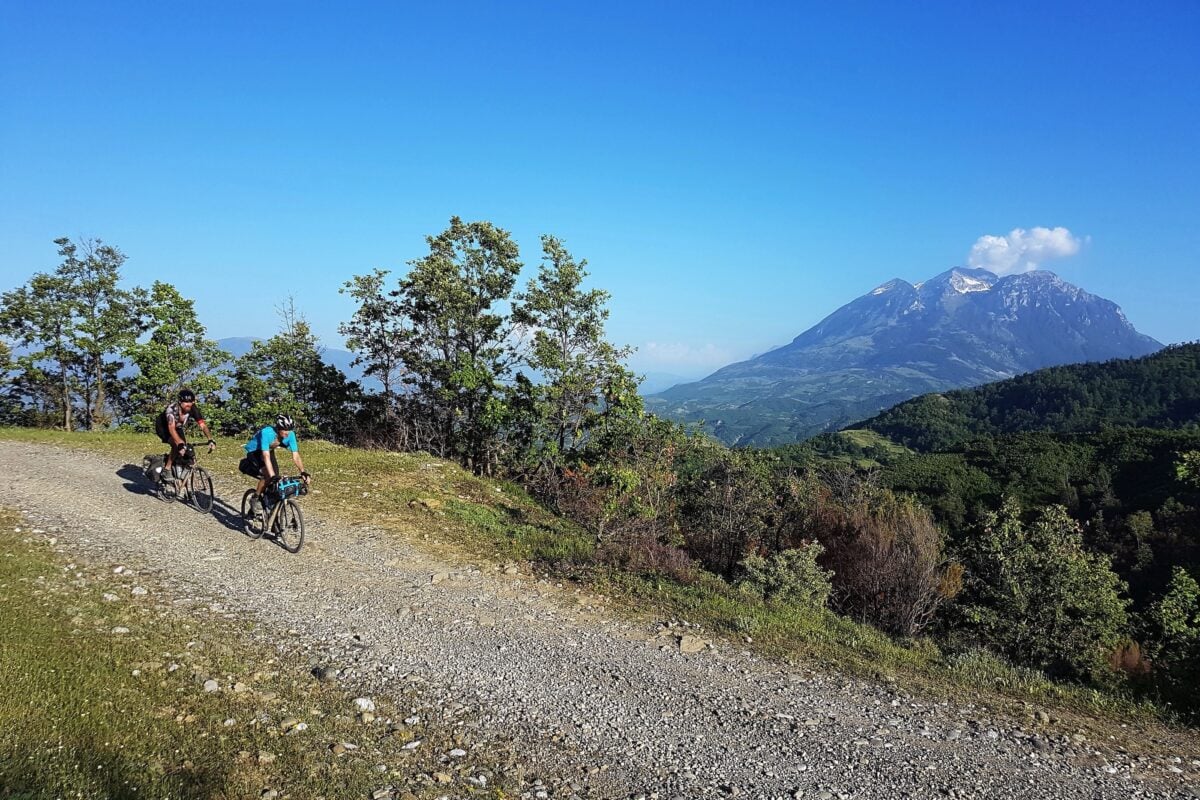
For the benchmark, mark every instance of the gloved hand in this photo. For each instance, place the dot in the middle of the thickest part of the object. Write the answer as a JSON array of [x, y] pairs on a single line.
[[305, 477], [181, 448], [212, 445]]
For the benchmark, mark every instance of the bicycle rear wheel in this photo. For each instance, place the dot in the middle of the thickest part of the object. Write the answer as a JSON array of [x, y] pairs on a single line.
[[200, 490], [289, 526], [253, 514]]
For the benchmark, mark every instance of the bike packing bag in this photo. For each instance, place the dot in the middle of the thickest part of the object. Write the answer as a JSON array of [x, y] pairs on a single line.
[[160, 427], [289, 487]]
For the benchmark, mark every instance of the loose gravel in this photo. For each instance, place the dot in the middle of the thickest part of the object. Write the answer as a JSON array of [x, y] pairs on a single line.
[[603, 705]]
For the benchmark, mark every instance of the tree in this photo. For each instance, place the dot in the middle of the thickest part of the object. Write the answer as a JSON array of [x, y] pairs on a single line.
[[457, 345], [576, 364], [39, 317], [285, 374], [176, 354], [108, 320], [72, 324], [1035, 594], [376, 334]]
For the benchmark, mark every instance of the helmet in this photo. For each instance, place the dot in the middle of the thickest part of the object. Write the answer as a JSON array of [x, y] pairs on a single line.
[[187, 396], [284, 423]]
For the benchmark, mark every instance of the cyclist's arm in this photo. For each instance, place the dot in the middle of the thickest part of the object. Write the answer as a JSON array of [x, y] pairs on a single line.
[[174, 430], [297, 460], [204, 427]]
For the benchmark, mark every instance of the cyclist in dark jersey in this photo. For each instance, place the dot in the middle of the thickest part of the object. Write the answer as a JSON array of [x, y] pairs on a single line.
[[171, 425]]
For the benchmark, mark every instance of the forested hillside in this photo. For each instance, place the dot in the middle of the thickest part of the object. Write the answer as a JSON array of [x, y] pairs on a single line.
[[1157, 391]]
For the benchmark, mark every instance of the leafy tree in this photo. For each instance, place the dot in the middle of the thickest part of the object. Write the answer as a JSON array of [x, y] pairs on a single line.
[[1174, 640], [177, 353], [457, 345], [376, 334], [108, 320], [576, 364], [286, 374], [72, 324], [39, 317], [1034, 593]]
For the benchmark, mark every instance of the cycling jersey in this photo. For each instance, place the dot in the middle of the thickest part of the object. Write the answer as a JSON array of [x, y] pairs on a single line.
[[266, 438], [181, 418]]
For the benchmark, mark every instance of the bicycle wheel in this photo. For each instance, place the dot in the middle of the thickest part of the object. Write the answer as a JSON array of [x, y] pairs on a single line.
[[289, 526], [200, 490], [252, 513], [168, 488]]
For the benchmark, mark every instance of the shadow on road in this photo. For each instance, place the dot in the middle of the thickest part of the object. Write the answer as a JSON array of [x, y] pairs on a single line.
[[136, 482]]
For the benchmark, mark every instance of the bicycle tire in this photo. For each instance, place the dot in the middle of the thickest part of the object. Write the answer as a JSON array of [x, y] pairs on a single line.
[[253, 514], [290, 519], [168, 490], [200, 490]]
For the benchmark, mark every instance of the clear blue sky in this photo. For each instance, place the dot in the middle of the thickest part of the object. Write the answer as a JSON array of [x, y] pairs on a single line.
[[732, 172]]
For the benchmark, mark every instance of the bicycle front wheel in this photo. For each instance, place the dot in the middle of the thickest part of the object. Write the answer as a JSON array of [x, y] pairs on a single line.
[[200, 490], [253, 514], [289, 526]]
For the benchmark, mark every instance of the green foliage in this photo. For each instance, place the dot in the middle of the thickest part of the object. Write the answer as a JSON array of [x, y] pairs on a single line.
[[456, 344], [1172, 640], [790, 576], [73, 325], [175, 354], [1157, 391], [285, 374], [1188, 469], [578, 367], [375, 334], [1035, 594]]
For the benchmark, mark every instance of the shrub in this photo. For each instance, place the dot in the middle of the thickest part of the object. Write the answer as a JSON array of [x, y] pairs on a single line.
[[791, 577], [1033, 593]]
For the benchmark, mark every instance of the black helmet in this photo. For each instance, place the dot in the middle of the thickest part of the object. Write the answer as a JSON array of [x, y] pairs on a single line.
[[284, 423], [187, 396]]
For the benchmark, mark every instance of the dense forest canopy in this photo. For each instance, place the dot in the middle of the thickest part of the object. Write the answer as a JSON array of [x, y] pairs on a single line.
[[1157, 391]]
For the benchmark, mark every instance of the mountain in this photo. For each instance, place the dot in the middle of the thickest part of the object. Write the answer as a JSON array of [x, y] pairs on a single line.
[[1158, 391], [653, 382], [961, 328]]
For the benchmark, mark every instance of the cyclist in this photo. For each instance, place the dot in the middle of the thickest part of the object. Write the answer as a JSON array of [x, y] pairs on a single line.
[[171, 426], [260, 452]]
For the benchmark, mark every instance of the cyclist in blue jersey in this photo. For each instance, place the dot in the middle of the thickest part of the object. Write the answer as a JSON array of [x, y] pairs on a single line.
[[260, 452]]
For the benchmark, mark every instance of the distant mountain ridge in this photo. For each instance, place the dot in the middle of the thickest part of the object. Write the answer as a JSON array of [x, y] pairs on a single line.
[[961, 328], [238, 346]]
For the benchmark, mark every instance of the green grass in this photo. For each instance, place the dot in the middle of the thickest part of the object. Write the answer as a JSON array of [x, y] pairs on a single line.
[[86, 712], [421, 497]]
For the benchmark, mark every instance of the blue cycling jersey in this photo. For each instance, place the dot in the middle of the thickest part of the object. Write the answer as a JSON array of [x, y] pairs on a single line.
[[265, 440]]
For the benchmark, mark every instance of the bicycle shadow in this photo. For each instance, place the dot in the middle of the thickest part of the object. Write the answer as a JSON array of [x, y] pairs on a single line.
[[136, 482]]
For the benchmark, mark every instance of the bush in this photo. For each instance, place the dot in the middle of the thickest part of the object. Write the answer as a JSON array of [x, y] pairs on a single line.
[[1033, 593], [792, 577]]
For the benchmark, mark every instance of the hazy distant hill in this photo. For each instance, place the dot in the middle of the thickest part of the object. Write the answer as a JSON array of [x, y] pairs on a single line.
[[238, 346], [961, 328]]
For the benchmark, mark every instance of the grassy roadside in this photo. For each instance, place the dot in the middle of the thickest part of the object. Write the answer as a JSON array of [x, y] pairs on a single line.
[[421, 497], [109, 689]]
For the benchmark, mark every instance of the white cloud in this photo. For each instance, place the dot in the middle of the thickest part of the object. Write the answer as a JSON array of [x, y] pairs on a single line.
[[1023, 250]]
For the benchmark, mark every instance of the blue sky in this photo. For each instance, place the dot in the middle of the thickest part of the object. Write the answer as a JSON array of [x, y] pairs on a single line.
[[732, 172]]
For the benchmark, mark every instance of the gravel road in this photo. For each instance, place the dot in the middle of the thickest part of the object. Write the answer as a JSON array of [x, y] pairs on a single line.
[[609, 705]]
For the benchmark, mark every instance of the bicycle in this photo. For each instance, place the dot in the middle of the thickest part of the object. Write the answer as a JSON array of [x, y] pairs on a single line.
[[277, 511], [187, 481]]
